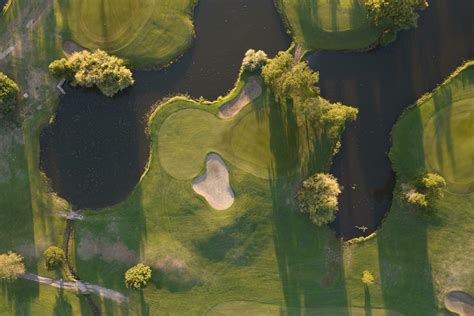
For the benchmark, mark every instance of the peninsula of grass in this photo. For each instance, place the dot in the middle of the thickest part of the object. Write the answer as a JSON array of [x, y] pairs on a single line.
[[147, 33], [329, 24]]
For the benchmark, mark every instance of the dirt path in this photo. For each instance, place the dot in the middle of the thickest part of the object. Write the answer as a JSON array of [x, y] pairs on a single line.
[[78, 286], [251, 91]]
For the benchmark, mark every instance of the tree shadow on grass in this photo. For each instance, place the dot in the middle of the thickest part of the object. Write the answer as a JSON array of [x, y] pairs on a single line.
[[309, 257]]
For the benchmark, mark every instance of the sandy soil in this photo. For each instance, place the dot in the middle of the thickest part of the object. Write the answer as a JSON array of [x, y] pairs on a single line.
[[251, 91], [214, 185], [460, 303]]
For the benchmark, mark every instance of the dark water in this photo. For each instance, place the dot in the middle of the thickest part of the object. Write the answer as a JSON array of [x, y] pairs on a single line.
[[97, 148], [382, 83], [95, 151]]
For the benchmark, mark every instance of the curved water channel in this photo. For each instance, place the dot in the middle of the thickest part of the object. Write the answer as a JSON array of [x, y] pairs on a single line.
[[96, 150]]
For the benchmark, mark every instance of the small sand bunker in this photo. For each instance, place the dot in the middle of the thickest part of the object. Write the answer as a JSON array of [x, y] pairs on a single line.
[[214, 185], [251, 91], [460, 303], [70, 47]]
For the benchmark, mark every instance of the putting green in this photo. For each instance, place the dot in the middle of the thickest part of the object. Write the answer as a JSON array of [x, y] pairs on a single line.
[[449, 145], [156, 32], [329, 24]]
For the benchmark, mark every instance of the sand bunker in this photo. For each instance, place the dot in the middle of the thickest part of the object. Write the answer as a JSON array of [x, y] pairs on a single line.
[[214, 185], [251, 91], [460, 303]]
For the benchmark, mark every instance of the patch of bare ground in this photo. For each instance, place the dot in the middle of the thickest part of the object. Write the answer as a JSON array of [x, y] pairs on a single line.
[[71, 47], [459, 302], [106, 250], [214, 185], [175, 274], [251, 91]]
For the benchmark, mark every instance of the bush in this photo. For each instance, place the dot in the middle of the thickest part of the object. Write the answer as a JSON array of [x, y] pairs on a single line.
[[319, 111], [8, 94], [318, 198], [290, 80], [254, 60], [416, 199], [99, 69], [367, 278], [434, 185], [11, 265], [54, 257], [138, 276], [394, 15]]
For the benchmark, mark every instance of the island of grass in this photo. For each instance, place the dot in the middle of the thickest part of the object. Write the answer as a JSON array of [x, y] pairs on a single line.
[[147, 33]]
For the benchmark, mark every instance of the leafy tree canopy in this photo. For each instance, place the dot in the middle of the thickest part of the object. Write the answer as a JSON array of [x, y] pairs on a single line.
[[137, 276], [367, 278], [86, 69], [54, 257], [8, 94], [318, 198], [254, 60], [288, 79], [394, 15], [11, 265]]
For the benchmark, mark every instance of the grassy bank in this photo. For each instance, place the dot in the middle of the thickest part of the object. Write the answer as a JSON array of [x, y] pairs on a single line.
[[148, 34], [332, 25]]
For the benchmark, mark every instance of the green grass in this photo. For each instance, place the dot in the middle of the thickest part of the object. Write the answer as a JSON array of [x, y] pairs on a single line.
[[329, 24], [147, 33]]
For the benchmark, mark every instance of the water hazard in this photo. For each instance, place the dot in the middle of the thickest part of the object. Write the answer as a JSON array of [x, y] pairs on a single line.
[[97, 148]]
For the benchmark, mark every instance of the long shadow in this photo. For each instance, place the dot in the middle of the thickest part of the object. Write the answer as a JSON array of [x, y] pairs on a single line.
[[309, 258]]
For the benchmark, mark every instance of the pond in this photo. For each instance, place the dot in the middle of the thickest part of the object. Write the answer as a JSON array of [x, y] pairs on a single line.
[[96, 150]]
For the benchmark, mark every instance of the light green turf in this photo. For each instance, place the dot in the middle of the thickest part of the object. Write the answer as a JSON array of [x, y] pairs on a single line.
[[147, 33], [329, 24]]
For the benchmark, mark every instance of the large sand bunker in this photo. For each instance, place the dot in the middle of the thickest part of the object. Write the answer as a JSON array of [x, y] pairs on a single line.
[[251, 91], [214, 185], [460, 303]]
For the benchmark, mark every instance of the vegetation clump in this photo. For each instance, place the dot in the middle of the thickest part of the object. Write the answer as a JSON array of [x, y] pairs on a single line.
[[394, 15], [318, 198], [8, 94], [367, 278], [425, 192], [137, 276], [254, 60], [319, 111], [86, 69], [54, 257], [11, 265], [290, 80]]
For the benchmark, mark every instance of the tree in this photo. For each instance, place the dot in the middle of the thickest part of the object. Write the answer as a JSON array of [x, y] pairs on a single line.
[[54, 257], [137, 276], [8, 94], [319, 111], [367, 278], [11, 265], [86, 69], [254, 60], [394, 15], [288, 79], [433, 184], [318, 198]]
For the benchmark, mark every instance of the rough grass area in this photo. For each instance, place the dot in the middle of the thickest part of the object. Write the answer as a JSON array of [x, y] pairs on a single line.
[[329, 24], [147, 33]]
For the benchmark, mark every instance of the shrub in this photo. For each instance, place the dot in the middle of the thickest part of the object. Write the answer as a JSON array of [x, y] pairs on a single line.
[[416, 199], [86, 69], [290, 80], [394, 15], [319, 111], [433, 184], [54, 257], [11, 265], [318, 198], [138, 276], [254, 60], [367, 278], [8, 94]]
